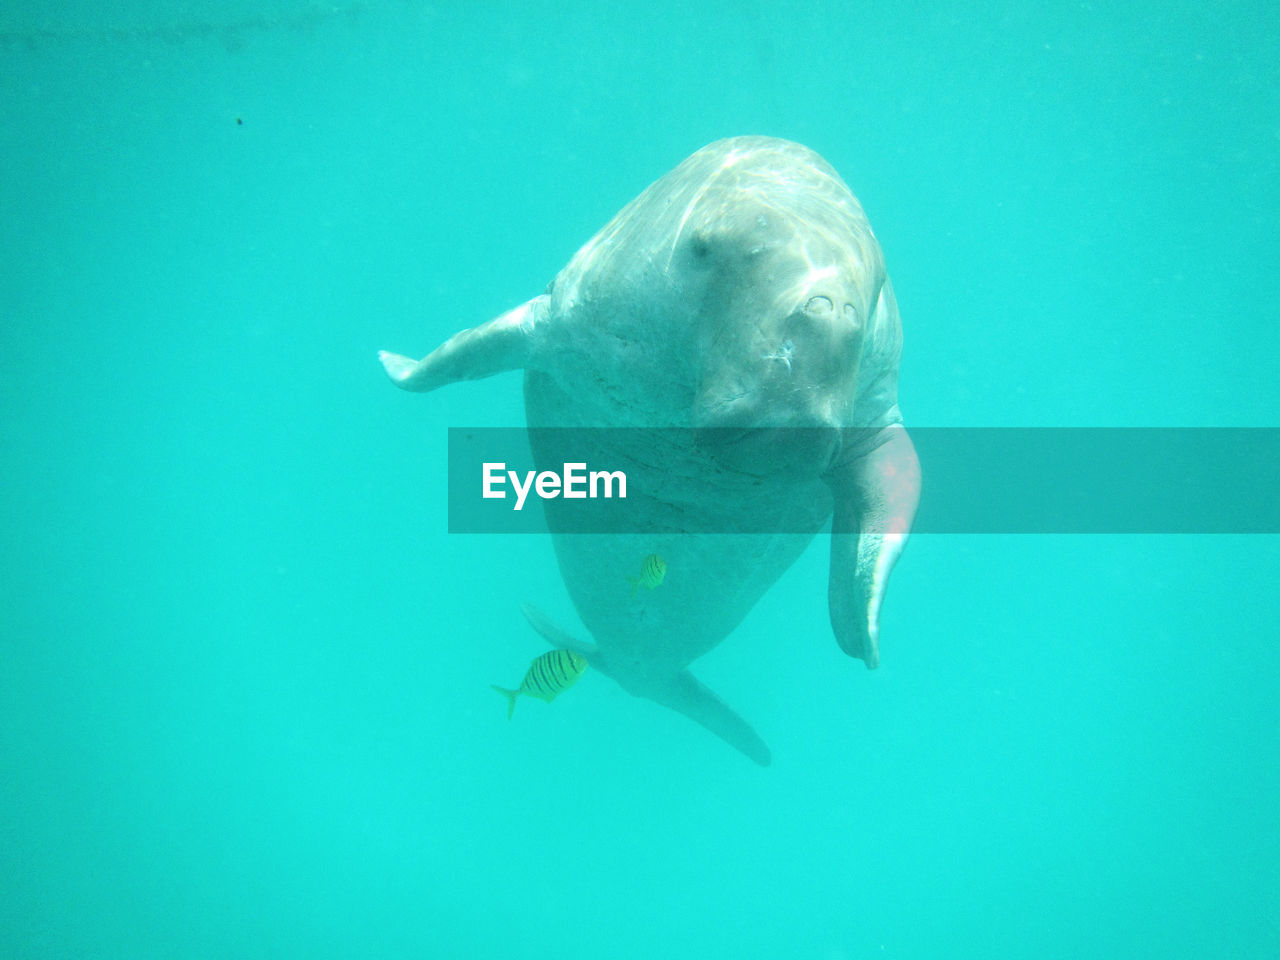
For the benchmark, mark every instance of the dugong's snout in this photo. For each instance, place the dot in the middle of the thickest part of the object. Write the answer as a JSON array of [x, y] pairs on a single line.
[[788, 366], [796, 452]]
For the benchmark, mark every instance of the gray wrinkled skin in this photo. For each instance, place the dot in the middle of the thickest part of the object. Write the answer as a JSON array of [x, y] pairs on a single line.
[[740, 296]]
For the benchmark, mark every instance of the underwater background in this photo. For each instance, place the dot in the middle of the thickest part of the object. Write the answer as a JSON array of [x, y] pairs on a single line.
[[244, 671]]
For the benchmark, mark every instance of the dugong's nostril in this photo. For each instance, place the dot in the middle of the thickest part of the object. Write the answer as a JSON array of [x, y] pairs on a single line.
[[819, 307], [851, 316], [783, 354]]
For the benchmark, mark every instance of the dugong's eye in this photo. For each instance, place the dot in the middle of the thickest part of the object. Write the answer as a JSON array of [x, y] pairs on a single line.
[[819, 307]]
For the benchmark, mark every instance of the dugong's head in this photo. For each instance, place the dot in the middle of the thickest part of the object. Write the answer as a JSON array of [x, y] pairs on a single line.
[[781, 328]]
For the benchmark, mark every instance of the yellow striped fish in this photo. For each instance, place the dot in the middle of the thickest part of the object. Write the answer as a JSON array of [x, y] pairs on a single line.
[[548, 676], [652, 572]]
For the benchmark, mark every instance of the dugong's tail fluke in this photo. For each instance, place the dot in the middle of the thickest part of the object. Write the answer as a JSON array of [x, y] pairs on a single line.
[[501, 344], [686, 694], [682, 693], [875, 502]]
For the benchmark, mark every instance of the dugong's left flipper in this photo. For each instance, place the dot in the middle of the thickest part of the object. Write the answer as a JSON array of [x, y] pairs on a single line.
[[682, 693], [876, 494], [501, 344]]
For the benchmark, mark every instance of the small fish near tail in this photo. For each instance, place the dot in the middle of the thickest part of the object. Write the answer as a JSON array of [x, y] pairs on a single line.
[[548, 676], [682, 693]]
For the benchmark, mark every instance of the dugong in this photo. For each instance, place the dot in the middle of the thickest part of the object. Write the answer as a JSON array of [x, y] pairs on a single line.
[[744, 299]]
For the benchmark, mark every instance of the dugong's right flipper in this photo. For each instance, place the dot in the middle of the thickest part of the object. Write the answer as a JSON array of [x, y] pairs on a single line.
[[875, 493], [682, 693], [501, 344]]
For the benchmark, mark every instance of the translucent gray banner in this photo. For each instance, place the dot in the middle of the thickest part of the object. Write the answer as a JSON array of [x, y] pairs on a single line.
[[976, 480]]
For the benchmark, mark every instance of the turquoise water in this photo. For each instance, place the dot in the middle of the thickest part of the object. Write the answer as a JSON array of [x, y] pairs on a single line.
[[244, 672]]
